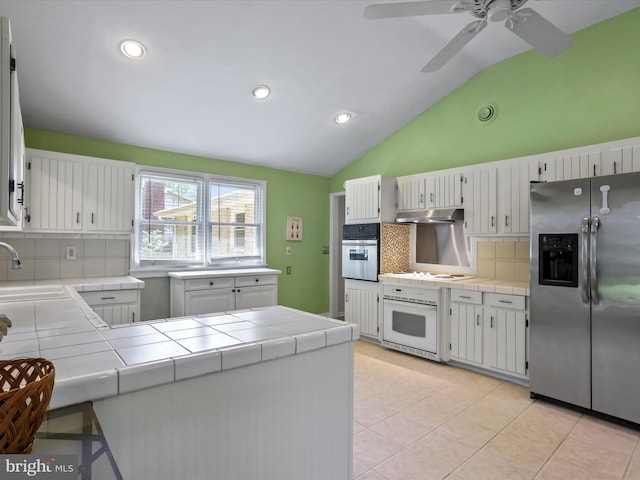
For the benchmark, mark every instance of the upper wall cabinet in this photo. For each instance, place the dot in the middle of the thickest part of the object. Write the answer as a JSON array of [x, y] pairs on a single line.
[[370, 199], [445, 189], [411, 192], [72, 193], [481, 213]]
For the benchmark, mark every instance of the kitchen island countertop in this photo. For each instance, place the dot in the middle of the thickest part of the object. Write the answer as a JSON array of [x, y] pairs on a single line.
[[94, 360]]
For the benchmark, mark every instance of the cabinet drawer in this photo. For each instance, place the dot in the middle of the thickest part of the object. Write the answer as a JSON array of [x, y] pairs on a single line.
[[253, 280], [466, 296], [504, 301], [108, 297], [208, 283]]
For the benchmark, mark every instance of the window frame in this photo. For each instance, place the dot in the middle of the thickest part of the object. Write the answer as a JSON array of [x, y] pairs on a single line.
[[203, 223]]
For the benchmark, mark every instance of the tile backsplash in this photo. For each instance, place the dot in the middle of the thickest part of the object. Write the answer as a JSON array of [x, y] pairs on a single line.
[[395, 244], [45, 258], [504, 260]]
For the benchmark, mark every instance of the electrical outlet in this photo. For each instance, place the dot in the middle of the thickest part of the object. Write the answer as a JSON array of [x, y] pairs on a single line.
[[288, 270], [71, 252], [288, 250]]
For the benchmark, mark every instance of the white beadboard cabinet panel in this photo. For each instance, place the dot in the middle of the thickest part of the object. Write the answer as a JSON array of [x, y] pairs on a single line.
[[287, 418]]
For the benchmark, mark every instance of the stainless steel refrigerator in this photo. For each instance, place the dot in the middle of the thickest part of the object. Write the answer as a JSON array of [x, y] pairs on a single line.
[[585, 293]]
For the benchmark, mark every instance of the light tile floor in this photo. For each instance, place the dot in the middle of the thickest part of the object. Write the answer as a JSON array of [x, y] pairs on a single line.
[[418, 419]]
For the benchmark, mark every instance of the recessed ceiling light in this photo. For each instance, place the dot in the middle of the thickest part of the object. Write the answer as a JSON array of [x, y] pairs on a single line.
[[261, 91], [343, 117], [132, 49]]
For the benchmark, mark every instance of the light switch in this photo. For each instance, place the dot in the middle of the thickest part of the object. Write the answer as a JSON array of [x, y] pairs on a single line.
[[71, 252], [288, 250]]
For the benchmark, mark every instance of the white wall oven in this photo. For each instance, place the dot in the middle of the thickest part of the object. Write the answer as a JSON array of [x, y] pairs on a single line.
[[411, 320], [361, 251]]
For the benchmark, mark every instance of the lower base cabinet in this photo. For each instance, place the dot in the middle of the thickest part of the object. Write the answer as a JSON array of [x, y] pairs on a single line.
[[114, 306], [196, 296], [361, 306], [489, 330]]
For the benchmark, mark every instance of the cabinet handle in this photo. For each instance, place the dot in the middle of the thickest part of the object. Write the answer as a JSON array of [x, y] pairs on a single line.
[[594, 170], [237, 290], [506, 220], [347, 211], [21, 188], [92, 215], [211, 283], [78, 217], [257, 280], [107, 298], [421, 197], [465, 296], [614, 168], [493, 221], [478, 319], [346, 297], [431, 197], [492, 322], [505, 301]]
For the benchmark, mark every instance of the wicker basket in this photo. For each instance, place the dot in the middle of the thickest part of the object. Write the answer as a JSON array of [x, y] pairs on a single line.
[[26, 385]]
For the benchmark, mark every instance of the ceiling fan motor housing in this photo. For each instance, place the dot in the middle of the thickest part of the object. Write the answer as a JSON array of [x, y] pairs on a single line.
[[495, 10]]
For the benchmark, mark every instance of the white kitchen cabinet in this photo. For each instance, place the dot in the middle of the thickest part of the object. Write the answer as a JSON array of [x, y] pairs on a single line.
[[108, 198], [361, 306], [411, 192], [447, 189], [481, 217], [115, 306], [467, 322], [73, 193], [489, 330], [370, 199], [513, 198], [505, 333], [216, 293], [621, 159], [54, 193]]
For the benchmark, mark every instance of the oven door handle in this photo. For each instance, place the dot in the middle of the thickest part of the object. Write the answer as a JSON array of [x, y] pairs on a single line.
[[401, 303]]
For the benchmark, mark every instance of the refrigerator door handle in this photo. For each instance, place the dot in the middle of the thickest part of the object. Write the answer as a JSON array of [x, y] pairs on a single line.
[[584, 260], [593, 277]]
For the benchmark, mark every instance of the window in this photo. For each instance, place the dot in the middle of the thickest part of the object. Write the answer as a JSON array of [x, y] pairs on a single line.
[[203, 220]]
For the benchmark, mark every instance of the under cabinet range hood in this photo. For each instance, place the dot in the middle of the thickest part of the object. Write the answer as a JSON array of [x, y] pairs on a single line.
[[441, 215]]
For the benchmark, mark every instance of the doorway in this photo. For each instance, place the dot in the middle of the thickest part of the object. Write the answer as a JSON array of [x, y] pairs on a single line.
[[336, 282]]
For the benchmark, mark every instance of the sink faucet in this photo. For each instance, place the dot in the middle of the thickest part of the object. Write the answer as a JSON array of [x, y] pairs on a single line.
[[15, 259]]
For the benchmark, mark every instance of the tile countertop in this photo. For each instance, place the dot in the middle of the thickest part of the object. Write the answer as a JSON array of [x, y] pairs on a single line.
[[474, 283], [192, 274], [94, 360], [85, 284]]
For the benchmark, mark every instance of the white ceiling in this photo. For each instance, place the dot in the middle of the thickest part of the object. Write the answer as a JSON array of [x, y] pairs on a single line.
[[192, 92]]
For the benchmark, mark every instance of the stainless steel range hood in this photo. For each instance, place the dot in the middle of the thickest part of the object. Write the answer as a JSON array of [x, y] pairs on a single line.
[[442, 215]]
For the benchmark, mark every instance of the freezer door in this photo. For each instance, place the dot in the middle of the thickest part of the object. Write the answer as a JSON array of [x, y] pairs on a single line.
[[616, 315], [560, 330]]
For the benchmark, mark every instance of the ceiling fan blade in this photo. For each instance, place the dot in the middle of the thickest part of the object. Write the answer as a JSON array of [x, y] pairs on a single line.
[[538, 32], [455, 45], [410, 9]]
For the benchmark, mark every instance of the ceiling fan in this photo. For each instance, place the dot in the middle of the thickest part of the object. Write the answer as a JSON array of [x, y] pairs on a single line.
[[524, 22]]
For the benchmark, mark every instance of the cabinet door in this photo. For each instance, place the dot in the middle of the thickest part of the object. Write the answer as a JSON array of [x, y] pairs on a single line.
[[362, 199], [466, 332], [448, 189], [109, 198], [209, 301], [260, 296], [505, 344], [55, 194], [361, 308], [621, 160], [411, 193], [513, 198], [481, 217]]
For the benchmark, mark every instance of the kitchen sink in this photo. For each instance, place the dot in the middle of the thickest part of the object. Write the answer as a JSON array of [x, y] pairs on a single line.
[[32, 293]]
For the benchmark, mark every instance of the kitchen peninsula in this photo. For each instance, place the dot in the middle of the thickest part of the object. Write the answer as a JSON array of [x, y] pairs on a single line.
[[263, 393]]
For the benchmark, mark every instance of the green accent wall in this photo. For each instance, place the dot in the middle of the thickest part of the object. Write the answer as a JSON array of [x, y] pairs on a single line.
[[288, 194], [589, 94]]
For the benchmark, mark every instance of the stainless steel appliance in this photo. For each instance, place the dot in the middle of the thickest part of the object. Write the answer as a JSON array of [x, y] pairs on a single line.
[[361, 251], [411, 321], [585, 293]]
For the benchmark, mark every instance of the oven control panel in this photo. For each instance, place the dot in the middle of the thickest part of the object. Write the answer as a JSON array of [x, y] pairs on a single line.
[[429, 296]]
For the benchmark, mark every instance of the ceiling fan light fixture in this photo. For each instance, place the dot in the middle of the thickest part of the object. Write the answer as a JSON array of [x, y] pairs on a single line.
[[260, 92], [343, 117], [132, 49]]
